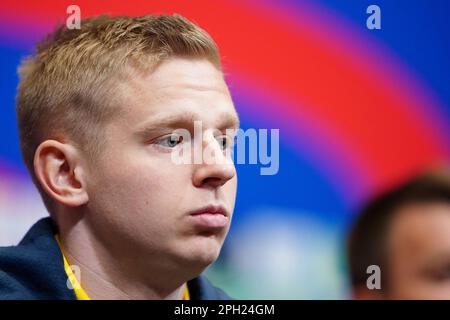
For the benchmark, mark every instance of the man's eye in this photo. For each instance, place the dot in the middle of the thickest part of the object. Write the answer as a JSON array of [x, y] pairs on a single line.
[[442, 274], [170, 141], [225, 142]]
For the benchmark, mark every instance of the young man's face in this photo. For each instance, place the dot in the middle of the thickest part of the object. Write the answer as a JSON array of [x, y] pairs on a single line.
[[139, 198]]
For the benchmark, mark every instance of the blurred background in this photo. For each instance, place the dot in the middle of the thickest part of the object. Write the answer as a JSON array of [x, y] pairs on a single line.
[[359, 111]]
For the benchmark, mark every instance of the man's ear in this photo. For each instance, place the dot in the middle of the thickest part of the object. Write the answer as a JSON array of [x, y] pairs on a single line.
[[59, 169]]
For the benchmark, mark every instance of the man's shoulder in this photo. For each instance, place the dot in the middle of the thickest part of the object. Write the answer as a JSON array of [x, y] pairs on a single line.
[[33, 269]]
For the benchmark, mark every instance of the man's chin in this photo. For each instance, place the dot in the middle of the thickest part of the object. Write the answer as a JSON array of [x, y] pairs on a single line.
[[201, 252]]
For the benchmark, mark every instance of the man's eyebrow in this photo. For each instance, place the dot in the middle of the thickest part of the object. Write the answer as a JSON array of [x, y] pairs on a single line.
[[169, 121], [229, 120], [165, 122], [185, 120], [442, 257]]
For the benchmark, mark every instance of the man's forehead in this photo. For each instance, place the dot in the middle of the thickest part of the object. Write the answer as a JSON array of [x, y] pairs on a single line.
[[422, 227], [178, 90], [176, 78], [197, 74]]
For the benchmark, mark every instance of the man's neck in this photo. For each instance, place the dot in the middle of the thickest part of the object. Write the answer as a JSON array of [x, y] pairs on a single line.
[[104, 277]]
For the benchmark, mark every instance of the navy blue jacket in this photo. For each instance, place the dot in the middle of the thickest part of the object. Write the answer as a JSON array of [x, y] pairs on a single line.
[[34, 269]]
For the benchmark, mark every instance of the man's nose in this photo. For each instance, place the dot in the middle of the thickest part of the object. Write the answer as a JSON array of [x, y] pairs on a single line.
[[215, 173]]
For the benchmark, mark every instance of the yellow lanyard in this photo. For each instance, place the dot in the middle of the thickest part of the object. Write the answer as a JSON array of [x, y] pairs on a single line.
[[79, 291]]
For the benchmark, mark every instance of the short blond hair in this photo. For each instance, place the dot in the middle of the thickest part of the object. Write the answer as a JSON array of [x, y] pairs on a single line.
[[66, 88]]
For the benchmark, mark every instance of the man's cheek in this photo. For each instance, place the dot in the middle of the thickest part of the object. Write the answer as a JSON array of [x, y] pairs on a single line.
[[231, 189]]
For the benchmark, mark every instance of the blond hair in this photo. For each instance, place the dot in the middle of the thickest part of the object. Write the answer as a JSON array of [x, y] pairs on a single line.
[[66, 88]]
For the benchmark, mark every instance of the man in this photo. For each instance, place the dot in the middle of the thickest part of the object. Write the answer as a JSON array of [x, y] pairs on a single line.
[[98, 113], [406, 234]]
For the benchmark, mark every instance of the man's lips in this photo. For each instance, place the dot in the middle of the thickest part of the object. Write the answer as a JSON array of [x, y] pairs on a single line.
[[214, 217], [211, 209]]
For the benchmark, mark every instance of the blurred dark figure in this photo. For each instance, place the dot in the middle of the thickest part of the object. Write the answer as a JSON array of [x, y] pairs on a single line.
[[405, 235]]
